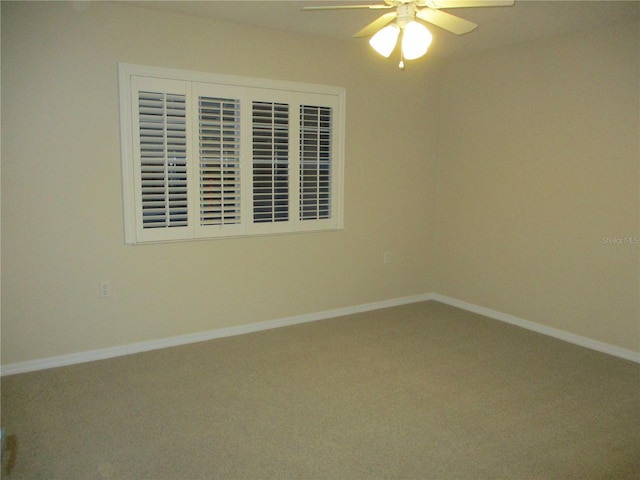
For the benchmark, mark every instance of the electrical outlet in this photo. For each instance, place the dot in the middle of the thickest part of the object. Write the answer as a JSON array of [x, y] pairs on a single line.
[[386, 258], [105, 289]]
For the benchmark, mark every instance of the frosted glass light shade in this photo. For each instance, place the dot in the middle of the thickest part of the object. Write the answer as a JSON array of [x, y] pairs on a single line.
[[384, 41], [415, 40]]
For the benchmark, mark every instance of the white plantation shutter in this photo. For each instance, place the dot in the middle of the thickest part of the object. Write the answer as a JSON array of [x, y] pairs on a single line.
[[270, 129], [160, 150], [163, 159], [208, 156], [220, 174], [320, 165], [315, 162]]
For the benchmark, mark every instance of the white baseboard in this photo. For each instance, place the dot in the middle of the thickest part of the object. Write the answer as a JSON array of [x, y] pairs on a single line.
[[104, 353], [536, 327]]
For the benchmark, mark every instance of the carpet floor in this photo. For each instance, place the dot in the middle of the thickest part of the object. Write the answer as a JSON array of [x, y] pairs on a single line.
[[420, 391]]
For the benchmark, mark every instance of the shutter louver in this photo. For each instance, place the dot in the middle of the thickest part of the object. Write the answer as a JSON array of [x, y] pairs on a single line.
[[220, 197], [163, 159], [315, 162], [270, 162]]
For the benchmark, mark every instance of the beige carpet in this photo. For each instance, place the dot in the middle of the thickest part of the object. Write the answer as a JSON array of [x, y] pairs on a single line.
[[418, 391]]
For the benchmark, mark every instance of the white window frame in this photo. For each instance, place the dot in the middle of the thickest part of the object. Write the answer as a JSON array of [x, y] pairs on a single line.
[[135, 78]]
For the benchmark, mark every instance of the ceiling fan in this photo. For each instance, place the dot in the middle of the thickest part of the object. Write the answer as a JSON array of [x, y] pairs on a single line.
[[415, 38]]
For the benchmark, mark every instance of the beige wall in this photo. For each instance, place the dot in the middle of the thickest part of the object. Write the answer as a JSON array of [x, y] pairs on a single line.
[[538, 163], [62, 212]]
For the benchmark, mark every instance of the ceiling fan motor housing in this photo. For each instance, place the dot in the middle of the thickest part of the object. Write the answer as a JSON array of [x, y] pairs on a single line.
[[406, 13]]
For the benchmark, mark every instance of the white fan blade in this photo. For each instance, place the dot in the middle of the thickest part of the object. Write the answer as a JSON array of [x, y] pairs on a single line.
[[346, 7], [468, 3], [376, 25], [446, 21]]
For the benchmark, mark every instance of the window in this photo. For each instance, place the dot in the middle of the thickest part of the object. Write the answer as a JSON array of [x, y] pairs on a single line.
[[207, 156]]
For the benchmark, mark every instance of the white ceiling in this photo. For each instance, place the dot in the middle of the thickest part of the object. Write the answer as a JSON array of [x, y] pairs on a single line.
[[498, 26]]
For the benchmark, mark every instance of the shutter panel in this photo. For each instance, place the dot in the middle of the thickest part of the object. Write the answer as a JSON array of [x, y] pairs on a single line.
[[163, 159], [220, 192], [315, 162], [270, 126]]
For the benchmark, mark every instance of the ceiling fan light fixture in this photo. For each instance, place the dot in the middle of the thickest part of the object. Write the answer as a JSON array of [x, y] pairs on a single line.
[[384, 41], [416, 40]]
